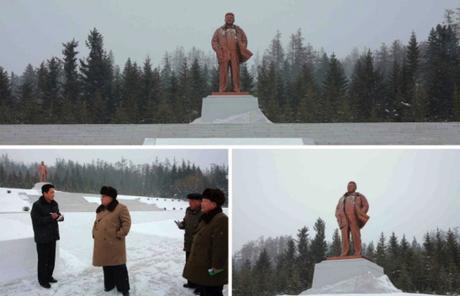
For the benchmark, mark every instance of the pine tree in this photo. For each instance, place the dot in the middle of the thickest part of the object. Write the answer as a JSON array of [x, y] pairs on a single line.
[[54, 99], [29, 113], [370, 251], [380, 253], [72, 104], [318, 244], [262, 274], [96, 78], [334, 88], [247, 81], [413, 80], [442, 64], [242, 282], [129, 107], [304, 264], [335, 249], [310, 108], [199, 88], [6, 103], [297, 54], [363, 90], [393, 262], [150, 89], [43, 93]]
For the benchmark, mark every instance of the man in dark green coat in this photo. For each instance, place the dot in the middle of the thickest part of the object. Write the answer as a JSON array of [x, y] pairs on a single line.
[[207, 265], [190, 224]]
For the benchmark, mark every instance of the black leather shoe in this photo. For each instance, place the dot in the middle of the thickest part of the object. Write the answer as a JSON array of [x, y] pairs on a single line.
[[108, 290], [45, 285], [197, 291], [189, 285], [53, 280]]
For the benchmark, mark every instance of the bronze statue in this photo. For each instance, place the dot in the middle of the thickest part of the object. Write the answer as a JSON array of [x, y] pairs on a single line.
[[230, 44], [351, 214], [42, 172]]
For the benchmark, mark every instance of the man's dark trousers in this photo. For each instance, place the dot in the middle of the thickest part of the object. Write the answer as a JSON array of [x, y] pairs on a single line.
[[46, 257]]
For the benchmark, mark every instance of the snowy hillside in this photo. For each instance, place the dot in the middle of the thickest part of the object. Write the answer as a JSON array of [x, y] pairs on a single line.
[[154, 252]]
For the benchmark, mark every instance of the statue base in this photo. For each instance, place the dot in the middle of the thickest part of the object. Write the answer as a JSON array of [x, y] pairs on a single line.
[[349, 275], [231, 107]]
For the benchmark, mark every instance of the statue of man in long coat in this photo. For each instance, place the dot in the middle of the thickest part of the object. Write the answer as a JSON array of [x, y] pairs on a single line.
[[351, 214], [230, 44]]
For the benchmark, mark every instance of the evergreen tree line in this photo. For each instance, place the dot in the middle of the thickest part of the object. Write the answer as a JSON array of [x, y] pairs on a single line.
[[285, 265], [418, 81], [161, 179]]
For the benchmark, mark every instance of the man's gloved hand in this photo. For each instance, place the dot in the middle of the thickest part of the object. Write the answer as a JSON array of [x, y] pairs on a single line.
[[179, 224]]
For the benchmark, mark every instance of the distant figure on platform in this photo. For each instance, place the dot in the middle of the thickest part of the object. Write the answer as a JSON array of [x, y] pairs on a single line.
[[110, 228], [45, 217], [42, 172], [207, 265], [190, 225], [351, 214], [230, 44]]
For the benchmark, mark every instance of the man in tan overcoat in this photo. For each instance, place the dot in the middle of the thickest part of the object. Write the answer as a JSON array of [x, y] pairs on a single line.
[[110, 228], [207, 265], [351, 214]]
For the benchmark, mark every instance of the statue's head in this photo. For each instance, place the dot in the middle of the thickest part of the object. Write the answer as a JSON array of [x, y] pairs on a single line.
[[43, 162], [229, 18], [351, 187]]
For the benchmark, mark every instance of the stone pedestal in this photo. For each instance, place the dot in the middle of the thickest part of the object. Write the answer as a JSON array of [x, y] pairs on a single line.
[[354, 275], [235, 108]]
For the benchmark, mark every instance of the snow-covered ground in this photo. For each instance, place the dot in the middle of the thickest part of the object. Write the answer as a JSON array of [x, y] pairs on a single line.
[[15, 199], [154, 252], [160, 202]]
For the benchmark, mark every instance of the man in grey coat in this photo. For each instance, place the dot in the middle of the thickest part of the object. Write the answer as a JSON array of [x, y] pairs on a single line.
[[190, 224]]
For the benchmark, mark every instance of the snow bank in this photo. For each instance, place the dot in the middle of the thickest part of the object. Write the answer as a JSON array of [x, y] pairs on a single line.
[[15, 200], [160, 202], [15, 228], [366, 283]]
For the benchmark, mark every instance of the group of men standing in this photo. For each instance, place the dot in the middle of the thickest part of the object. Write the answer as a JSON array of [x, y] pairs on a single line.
[[205, 243], [205, 240]]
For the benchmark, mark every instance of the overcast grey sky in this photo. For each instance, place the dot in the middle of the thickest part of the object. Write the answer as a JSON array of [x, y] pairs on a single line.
[[32, 31], [276, 192], [202, 158]]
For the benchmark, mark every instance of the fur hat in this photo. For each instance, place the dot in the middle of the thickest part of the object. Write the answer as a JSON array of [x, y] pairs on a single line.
[[110, 191], [196, 196], [215, 195]]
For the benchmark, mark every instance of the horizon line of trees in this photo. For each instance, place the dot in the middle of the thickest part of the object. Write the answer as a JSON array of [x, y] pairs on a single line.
[[418, 81], [285, 265], [170, 179]]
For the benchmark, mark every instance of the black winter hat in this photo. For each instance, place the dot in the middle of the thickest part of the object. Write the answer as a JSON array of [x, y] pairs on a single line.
[[215, 195], [196, 196], [110, 191]]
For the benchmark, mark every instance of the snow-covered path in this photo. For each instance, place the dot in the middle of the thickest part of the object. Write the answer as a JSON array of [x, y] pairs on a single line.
[[154, 251]]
